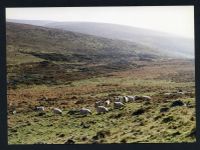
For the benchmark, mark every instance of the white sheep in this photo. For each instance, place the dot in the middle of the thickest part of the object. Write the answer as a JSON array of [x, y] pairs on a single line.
[[98, 103], [167, 94], [85, 111], [40, 108], [14, 112], [57, 111], [101, 109], [131, 98], [146, 98], [119, 99], [181, 93], [125, 99], [107, 103], [118, 104]]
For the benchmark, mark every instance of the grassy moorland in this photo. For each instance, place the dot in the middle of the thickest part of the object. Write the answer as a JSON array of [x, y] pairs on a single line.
[[70, 80]]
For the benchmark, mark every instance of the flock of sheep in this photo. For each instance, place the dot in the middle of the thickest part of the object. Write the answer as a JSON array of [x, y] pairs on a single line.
[[101, 106], [104, 106]]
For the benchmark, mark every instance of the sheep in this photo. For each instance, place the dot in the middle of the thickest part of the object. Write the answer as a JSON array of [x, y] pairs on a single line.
[[107, 103], [131, 98], [14, 112], [137, 97], [125, 99], [167, 94], [40, 108], [181, 93], [98, 103], [174, 94], [101, 109], [57, 111], [118, 104], [146, 98], [142, 98], [85, 111], [119, 99]]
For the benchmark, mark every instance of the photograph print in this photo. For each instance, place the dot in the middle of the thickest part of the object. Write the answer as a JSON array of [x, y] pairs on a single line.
[[100, 75]]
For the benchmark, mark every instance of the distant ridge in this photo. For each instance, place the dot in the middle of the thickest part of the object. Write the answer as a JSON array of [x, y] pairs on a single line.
[[159, 41]]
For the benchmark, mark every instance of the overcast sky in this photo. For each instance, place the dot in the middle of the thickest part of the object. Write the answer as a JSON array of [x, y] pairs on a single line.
[[178, 20]]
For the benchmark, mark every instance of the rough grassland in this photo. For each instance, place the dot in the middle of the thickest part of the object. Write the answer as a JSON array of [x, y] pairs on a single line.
[[117, 126]]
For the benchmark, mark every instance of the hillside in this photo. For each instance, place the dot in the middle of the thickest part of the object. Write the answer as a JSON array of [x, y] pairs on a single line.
[[162, 42], [31, 22], [29, 38], [30, 48]]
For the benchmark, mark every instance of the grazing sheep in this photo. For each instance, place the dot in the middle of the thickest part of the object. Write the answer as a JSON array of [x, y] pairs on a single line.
[[85, 111], [167, 94], [174, 94], [98, 103], [119, 99], [180, 93], [137, 97], [131, 98], [125, 99], [57, 111], [107, 103], [14, 112], [101, 109], [40, 108], [118, 104], [170, 95], [142, 98], [146, 98]]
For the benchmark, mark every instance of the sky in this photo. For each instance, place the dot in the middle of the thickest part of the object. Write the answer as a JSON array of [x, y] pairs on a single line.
[[177, 20]]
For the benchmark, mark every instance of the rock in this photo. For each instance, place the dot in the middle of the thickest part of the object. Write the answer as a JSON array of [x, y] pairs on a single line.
[[177, 103], [138, 112], [62, 135], [79, 101], [13, 130], [116, 116], [41, 114], [101, 134], [40, 143], [192, 133], [164, 109], [84, 138], [95, 142], [73, 112], [84, 125], [176, 133], [180, 90], [70, 141], [73, 97], [123, 141], [168, 119], [147, 103]]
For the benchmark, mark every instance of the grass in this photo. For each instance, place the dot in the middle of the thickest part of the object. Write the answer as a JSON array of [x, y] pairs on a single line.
[[143, 128], [26, 127]]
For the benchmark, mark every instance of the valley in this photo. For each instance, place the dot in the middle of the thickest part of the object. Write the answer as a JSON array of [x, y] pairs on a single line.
[[69, 70]]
